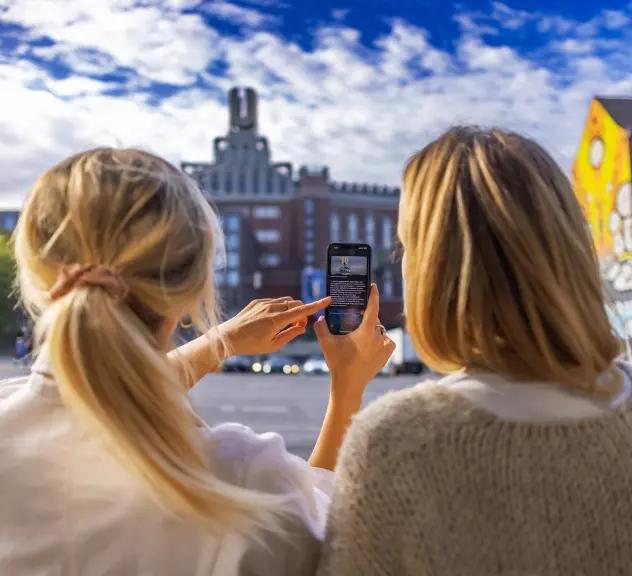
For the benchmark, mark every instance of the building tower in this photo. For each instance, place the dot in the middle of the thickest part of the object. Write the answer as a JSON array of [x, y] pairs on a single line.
[[242, 110]]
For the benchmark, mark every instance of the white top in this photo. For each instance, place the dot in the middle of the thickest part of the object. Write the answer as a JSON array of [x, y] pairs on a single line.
[[68, 508], [533, 401]]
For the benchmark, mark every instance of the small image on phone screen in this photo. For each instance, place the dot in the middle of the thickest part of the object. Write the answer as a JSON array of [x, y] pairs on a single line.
[[348, 284]]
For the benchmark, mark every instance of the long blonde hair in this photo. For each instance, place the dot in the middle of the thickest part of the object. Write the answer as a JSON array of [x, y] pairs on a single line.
[[143, 218], [500, 268]]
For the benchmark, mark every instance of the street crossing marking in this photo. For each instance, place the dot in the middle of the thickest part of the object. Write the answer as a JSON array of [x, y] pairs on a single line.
[[230, 408], [266, 409]]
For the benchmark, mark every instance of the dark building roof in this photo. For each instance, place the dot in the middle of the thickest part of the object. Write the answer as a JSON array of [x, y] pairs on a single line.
[[620, 109], [365, 189]]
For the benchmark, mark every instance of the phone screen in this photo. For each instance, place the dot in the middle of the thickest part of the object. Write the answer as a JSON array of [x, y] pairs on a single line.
[[348, 284]]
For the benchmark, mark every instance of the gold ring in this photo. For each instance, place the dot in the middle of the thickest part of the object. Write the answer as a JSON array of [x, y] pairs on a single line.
[[287, 304], [382, 329]]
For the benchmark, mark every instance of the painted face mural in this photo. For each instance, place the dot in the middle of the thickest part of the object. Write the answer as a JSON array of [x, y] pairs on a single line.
[[601, 177]]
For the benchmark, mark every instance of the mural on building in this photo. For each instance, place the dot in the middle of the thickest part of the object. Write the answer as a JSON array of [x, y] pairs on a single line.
[[601, 177]]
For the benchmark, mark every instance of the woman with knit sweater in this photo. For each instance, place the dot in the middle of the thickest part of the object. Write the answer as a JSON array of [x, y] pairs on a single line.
[[519, 461]]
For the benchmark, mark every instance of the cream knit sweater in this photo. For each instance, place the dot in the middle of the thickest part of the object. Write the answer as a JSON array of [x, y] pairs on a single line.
[[430, 484]]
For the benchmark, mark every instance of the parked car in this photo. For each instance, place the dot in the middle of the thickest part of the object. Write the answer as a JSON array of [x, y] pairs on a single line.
[[276, 364], [237, 364], [315, 366]]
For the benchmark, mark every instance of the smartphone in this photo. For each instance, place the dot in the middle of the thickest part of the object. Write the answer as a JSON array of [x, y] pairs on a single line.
[[348, 284]]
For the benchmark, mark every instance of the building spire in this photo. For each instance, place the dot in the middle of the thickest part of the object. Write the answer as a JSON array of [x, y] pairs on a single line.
[[242, 110]]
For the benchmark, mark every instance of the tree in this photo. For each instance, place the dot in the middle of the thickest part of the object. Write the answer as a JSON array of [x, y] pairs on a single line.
[[9, 316]]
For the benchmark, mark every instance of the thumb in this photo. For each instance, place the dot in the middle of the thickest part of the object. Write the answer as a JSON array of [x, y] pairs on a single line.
[[373, 309], [321, 329]]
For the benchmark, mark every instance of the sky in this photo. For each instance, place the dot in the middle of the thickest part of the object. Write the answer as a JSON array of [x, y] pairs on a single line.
[[356, 85]]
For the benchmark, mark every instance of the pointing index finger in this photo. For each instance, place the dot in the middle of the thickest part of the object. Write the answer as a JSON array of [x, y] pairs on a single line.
[[302, 311]]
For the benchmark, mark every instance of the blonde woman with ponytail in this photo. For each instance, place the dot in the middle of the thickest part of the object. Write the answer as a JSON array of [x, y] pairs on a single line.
[[519, 460], [104, 467]]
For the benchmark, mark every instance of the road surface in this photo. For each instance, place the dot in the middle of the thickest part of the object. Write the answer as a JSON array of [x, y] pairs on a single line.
[[293, 406]]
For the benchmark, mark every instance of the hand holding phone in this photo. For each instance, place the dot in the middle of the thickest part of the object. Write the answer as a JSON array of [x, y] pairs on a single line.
[[348, 285], [356, 358]]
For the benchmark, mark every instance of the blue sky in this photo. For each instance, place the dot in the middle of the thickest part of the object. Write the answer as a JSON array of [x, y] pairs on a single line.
[[358, 86]]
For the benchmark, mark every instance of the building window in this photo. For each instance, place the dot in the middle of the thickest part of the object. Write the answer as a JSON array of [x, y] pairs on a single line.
[[387, 233], [309, 221], [309, 246], [270, 181], [242, 182], [369, 230], [352, 231], [334, 227], [309, 234], [214, 181], [228, 183], [265, 236], [219, 263], [232, 242], [233, 260], [388, 283], [266, 212], [270, 260], [232, 223], [309, 259], [232, 278], [205, 181], [309, 206], [254, 180]]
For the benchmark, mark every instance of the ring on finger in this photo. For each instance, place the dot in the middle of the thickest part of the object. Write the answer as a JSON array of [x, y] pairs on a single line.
[[287, 304], [382, 329]]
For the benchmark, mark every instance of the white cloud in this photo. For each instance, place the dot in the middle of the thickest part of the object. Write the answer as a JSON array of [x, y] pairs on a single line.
[[469, 25], [554, 24], [574, 46], [360, 109], [478, 56], [266, 3], [510, 18], [615, 19], [238, 14], [162, 45], [80, 60]]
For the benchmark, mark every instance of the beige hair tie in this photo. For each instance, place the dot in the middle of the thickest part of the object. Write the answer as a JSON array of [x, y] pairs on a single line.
[[77, 275]]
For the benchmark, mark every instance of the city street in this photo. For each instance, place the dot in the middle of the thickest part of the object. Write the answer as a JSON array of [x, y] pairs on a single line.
[[293, 406]]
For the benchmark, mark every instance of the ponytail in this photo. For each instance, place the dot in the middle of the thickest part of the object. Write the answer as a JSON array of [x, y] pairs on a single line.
[[135, 214], [111, 372]]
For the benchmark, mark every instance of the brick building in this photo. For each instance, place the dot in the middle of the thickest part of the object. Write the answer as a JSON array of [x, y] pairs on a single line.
[[277, 224]]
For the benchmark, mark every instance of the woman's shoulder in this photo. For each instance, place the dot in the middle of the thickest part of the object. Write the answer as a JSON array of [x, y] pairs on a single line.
[[234, 449], [406, 416], [11, 386], [429, 398], [262, 462]]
